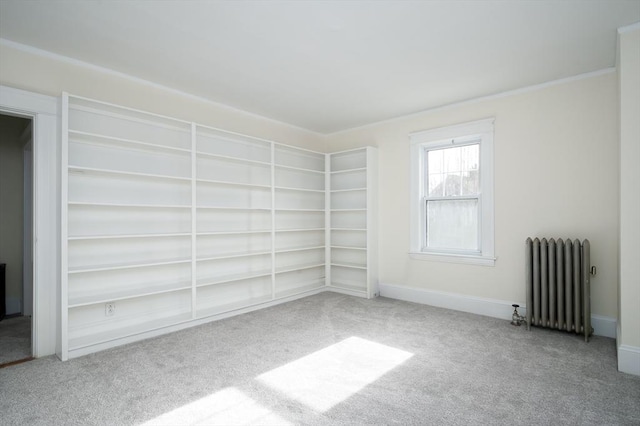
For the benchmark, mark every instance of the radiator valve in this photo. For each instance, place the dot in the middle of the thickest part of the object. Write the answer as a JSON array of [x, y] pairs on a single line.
[[516, 318]]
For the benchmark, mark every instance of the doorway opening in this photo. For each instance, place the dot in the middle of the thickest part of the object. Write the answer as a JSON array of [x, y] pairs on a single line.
[[16, 238]]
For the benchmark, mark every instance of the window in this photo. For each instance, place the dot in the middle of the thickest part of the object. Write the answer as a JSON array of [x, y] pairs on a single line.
[[452, 193]]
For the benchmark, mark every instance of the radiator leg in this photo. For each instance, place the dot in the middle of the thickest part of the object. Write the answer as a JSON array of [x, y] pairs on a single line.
[[552, 283], [586, 292], [529, 279]]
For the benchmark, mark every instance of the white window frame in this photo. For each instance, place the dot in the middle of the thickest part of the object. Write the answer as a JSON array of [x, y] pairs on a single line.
[[457, 135]]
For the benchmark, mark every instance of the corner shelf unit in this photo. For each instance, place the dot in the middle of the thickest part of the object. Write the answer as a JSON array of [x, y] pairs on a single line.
[[351, 222], [173, 224]]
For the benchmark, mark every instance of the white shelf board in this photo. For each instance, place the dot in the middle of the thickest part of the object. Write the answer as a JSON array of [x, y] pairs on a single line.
[[115, 141], [126, 330], [349, 229], [128, 205], [118, 111], [299, 249], [299, 210], [349, 265], [233, 256], [96, 268], [260, 231], [358, 169], [349, 248], [299, 230], [288, 188], [231, 158], [348, 210], [93, 170], [139, 291], [226, 183], [233, 277], [123, 236], [299, 267], [282, 166], [348, 190], [232, 208]]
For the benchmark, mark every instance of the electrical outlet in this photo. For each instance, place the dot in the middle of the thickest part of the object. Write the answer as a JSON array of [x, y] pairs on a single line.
[[109, 309]]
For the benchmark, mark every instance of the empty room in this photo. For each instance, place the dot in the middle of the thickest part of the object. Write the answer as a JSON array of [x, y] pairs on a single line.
[[319, 212]]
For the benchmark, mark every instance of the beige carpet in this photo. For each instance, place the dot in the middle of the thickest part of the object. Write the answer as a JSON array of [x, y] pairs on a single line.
[[15, 339]]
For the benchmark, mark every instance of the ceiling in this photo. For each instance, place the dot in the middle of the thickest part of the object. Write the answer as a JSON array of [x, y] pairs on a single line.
[[327, 66]]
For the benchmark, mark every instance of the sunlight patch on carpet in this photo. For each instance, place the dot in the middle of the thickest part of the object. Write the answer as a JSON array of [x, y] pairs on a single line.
[[226, 407], [331, 375]]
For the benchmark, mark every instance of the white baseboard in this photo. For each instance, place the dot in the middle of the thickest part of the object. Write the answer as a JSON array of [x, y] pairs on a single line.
[[603, 326], [14, 305], [629, 359]]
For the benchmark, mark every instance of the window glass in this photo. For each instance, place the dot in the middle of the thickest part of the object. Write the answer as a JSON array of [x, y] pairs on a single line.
[[452, 224]]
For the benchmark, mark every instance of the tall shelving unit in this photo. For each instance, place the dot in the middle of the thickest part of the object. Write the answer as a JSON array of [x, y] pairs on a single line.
[[299, 225], [126, 224], [352, 207], [233, 222], [168, 224]]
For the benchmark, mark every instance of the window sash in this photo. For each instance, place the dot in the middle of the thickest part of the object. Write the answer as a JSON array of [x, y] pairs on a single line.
[[429, 249], [424, 174]]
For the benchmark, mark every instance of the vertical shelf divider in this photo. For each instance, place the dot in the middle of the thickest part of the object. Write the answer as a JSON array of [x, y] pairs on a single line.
[[327, 219], [64, 230], [194, 205], [273, 221], [372, 222]]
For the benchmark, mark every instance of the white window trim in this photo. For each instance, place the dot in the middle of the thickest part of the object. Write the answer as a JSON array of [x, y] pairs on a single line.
[[432, 138]]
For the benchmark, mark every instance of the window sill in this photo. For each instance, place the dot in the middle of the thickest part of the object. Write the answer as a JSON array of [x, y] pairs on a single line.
[[454, 258]]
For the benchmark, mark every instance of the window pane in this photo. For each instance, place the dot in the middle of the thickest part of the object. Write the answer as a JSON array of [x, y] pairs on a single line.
[[452, 224], [470, 168], [434, 161], [452, 159], [470, 182], [453, 171], [436, 186], [452, 184]]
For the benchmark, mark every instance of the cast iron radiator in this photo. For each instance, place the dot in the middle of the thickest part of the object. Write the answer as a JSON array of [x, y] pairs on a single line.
[[558, 285]]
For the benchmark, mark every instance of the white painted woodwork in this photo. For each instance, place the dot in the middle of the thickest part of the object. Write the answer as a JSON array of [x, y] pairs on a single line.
[[176, 223], [352, 211], [46, 185]]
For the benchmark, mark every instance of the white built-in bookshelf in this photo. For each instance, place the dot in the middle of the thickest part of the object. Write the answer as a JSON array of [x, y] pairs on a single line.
[[168, 224], [351, 213]]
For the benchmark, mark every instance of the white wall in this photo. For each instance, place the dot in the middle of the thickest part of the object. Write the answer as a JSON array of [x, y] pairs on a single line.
[[629, 284], [11, 207], [44, 73], [556, 162]]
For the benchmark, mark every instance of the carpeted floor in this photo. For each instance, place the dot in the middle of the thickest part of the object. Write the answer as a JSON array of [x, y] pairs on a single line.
[[15, 339], [333, 359]]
